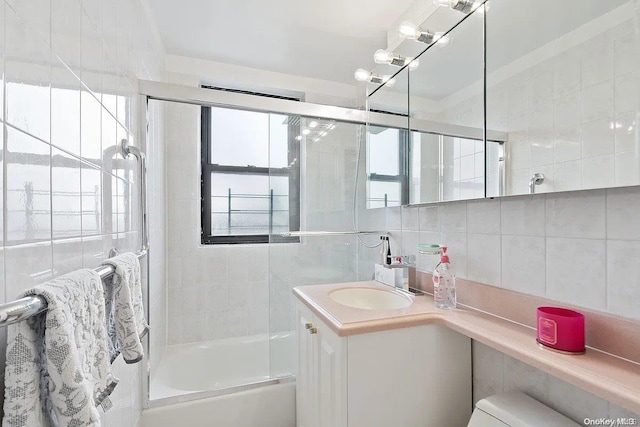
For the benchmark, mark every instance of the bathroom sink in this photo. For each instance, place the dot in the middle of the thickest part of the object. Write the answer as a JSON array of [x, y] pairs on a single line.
[[370, 299]]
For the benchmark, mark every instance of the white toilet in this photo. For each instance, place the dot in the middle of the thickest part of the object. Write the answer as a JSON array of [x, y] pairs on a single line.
[[516, 409]]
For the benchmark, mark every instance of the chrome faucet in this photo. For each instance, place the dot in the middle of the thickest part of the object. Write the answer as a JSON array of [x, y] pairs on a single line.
[[536, 179]]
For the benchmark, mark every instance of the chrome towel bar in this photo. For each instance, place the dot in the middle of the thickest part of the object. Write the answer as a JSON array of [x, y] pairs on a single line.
[[23, 308]]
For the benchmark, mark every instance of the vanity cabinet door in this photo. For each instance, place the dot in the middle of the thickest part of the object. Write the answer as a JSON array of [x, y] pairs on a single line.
[[306, 413], [332, 378], [321, 385]]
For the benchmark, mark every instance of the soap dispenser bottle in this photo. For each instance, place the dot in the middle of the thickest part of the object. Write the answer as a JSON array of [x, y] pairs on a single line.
[[444, 283], [383, 249]]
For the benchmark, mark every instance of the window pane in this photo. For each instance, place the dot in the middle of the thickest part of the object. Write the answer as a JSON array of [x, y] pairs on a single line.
[[239, 138], [380, 191], [241, 204], [243, 138], [384, 151]]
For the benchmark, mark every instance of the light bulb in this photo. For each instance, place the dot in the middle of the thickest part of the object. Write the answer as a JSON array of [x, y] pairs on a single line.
[[362, 75], [313, 124], [464, 6], [306, 132], [409, 31], [442, 40], [382, 57], [299, 137], [387, 80], [413, 63]]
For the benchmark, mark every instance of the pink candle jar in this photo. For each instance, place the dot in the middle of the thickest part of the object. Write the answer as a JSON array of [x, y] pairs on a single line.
[[561, 329]]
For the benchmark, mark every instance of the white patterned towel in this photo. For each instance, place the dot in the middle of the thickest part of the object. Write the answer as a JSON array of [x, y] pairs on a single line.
[[58, 369], [126, 323]]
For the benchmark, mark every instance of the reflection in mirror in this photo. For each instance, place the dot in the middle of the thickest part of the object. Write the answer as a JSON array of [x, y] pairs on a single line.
[[447, 89], [562, 82], [387, 147], [442, 157], [386, 167]]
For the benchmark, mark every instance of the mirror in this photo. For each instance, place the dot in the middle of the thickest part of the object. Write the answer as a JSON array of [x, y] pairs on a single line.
[[446, 94], [442, 150], [561, 102], [562, 82], [387, 146]]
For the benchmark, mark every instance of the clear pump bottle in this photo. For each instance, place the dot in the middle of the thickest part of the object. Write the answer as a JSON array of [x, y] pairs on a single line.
[[444, 283]]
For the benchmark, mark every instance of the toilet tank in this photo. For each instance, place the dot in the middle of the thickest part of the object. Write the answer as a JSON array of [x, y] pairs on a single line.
[[515, 409]]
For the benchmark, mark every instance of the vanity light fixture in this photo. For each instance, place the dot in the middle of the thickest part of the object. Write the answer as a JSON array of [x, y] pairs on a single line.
[[410, 31], [363, 75], [464, 6], [384, 57], [306, 132]]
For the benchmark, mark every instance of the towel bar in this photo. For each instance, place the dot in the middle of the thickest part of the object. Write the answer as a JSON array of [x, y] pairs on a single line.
[[23, 308]]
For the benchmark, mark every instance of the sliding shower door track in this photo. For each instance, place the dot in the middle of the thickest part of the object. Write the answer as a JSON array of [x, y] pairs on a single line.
[[198, 395]]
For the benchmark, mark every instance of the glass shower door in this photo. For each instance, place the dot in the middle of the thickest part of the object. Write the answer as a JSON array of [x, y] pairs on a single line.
[[325, 151]]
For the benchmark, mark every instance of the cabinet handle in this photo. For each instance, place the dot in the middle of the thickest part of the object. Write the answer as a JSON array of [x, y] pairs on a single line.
[[308, 325], [313, 331]]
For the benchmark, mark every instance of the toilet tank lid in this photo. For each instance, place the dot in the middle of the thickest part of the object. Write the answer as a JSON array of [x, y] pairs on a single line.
[[519, 410]]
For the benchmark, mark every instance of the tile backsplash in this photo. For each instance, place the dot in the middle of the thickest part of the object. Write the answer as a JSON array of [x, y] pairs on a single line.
[[581, 248], [68, 85]]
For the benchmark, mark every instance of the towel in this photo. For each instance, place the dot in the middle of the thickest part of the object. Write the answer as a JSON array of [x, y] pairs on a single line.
[[58, 371], [126, 323]]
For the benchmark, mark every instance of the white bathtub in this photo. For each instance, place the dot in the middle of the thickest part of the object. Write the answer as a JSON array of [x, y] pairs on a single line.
[[205, 368], [221, 364], [269, 406]]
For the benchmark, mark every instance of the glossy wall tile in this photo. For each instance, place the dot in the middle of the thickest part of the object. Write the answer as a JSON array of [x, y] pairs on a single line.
[[67, 69]]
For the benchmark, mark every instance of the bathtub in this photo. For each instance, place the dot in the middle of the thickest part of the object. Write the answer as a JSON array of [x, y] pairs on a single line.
[[228, 382], [222, 364]]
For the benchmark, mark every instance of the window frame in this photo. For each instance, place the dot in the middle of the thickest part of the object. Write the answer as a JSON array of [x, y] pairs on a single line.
[[207, 168]]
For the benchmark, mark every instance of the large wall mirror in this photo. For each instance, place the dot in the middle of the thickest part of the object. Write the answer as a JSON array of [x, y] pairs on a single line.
[[514, 98]]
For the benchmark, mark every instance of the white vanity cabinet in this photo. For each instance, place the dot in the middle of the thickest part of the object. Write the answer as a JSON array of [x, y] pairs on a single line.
[[321, 386], [408, 377]]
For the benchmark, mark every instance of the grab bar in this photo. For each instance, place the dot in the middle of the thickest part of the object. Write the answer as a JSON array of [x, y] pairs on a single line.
[[24, 308]]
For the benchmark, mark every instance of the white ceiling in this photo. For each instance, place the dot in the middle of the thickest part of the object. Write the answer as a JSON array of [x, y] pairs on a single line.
[[324, 39]]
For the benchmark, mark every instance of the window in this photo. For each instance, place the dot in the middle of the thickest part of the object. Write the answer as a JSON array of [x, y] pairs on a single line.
[[387, 167], [250, 176]]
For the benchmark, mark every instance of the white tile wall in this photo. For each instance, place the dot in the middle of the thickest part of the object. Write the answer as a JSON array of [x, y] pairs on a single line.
[[68, 78], [579, 248]]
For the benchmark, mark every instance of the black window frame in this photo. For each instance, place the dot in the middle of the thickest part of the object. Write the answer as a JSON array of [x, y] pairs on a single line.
[[403, 168], [207, 168]]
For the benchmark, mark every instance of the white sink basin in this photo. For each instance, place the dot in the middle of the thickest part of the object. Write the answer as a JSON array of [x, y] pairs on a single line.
[[370, 299]]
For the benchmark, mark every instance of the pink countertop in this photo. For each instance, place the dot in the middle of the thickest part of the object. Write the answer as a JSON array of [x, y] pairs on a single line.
[[609, 377]]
